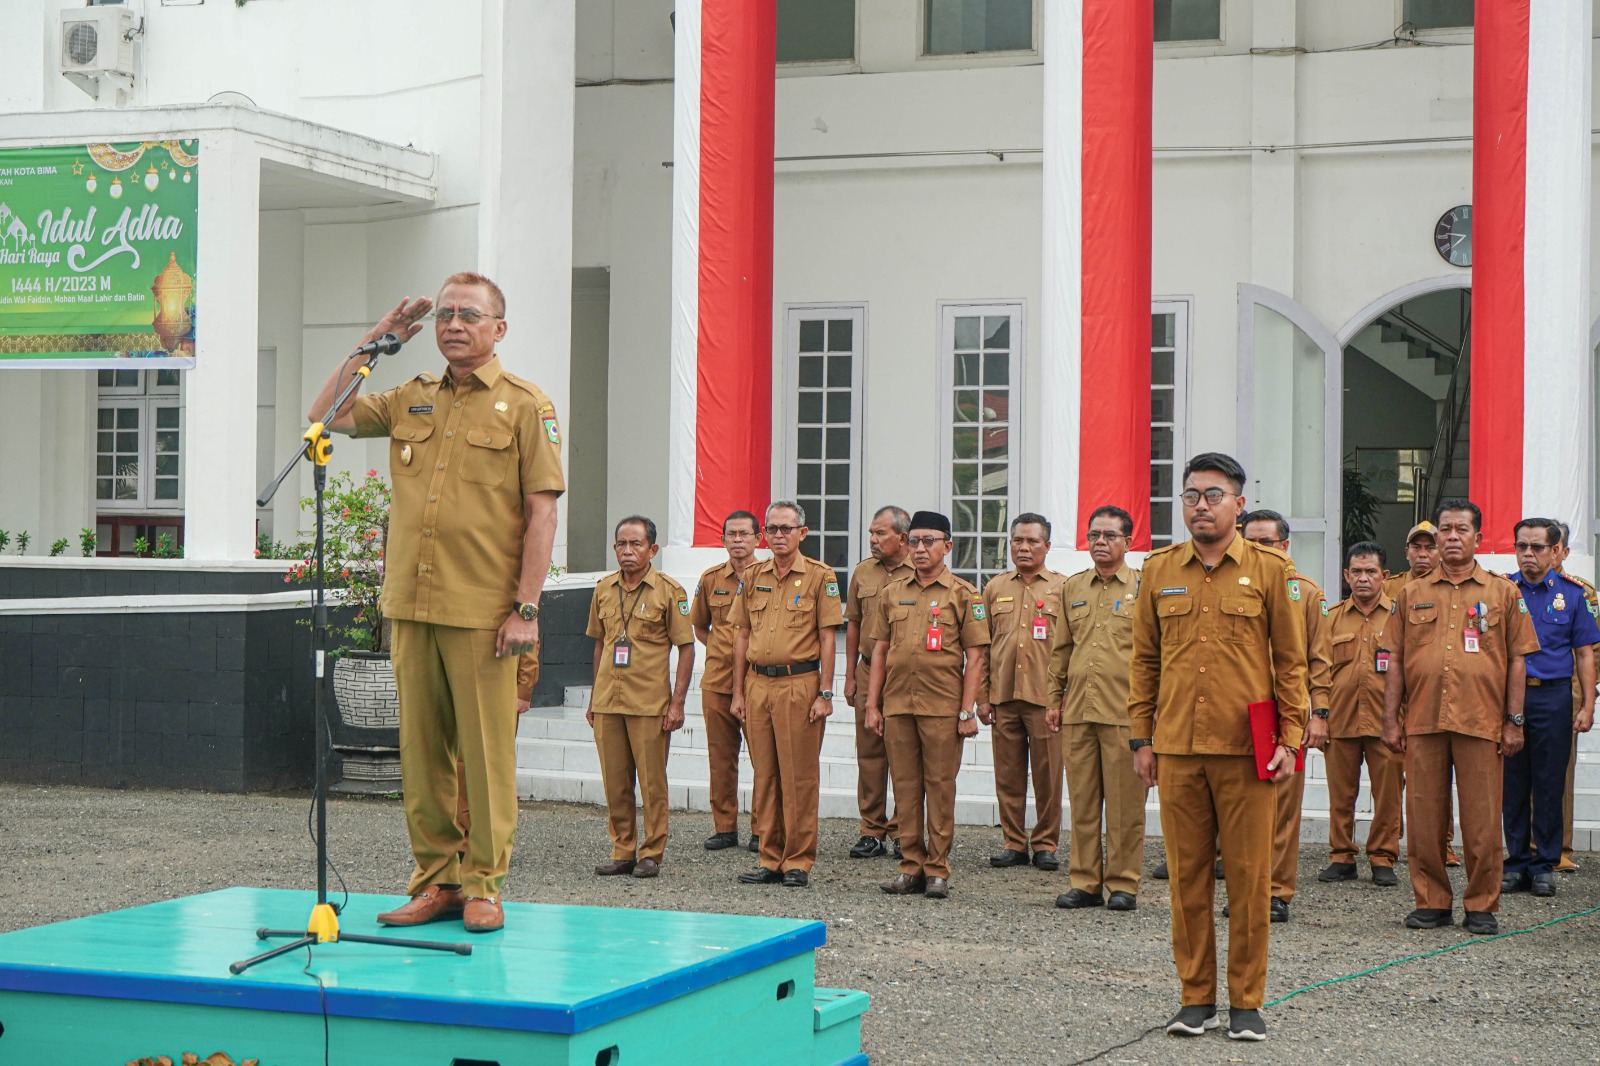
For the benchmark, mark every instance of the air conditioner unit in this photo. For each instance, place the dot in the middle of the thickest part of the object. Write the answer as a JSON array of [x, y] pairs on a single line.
[[97, 48]]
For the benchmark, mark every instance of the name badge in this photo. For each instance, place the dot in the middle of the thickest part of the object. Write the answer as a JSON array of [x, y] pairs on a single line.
[[1469, 641], [1380, 661], [935, 639], [1041, 626], [621, 651], [422, 409], [1180, 590]]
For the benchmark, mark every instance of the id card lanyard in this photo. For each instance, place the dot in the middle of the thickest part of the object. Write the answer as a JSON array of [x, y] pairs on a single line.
[[1041, 627], [935, 640], [622, 650], [1469, 636]]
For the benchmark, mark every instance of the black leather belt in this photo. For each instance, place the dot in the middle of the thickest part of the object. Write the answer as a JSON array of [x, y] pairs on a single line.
[[1535, 682], [785, 671]]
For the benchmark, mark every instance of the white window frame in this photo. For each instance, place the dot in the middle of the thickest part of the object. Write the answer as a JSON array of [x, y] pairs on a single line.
[[148, 398], [1182, 377], [967, 59], [1016, 450], [827, 66], [788, 477], [1464, 30]]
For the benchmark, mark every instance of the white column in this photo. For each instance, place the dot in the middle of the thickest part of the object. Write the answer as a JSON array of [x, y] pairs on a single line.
[[525, 212], [1557, 419], [681, 448], [219, 417], [1060, 319]]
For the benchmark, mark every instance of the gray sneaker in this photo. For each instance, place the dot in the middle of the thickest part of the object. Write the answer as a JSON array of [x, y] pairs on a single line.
[[1194, 1020], [1246, 1025]]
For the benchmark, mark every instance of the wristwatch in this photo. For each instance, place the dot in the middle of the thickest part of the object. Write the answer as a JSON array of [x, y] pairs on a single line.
[[1135, 744], [826, 694], [528, 611], [1323, 714], [1517, 719], [966, 716]]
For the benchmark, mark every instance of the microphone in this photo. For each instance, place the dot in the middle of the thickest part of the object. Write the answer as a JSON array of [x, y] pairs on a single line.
[[388, 344]]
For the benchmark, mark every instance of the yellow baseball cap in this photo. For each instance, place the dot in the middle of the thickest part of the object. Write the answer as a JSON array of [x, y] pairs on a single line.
[[1422, 527]]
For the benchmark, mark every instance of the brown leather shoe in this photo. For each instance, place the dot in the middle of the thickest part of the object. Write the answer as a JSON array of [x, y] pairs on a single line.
[[1451, 858], [429, 905], [906, 885], [938, 888], [614, 868], [646, 868], [483, 914]]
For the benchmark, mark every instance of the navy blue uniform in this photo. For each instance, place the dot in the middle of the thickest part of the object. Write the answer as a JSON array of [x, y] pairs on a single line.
[[1537, 774]]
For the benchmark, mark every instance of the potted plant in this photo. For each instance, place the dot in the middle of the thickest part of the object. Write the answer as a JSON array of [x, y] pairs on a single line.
[[366, 732]]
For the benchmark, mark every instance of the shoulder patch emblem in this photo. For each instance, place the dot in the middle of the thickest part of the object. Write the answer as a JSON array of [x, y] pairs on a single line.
[[1324, 608], [1294, 590], [1522, 605], [683, 607], [977, 612], [552, 432], [833, 590]]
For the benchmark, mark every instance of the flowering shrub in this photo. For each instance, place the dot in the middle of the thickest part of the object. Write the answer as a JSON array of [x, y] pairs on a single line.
[[355, 530]]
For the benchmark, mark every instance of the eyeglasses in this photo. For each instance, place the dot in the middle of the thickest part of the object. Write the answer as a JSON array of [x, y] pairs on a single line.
[[1191, 497], [1524, 546], [1271, 542], [1100, 534], [926, 542], [739, 534], [469, 316], [781, 531]]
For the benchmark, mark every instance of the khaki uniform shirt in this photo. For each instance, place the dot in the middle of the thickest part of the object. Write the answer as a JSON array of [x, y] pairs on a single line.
[[1089, 663], [1449, 689], [712, 597], [461, 459], [866, 581], [1392, 586], [657, 620], [916, 680], [1018, 666], [1356, 709], [784, 614], [1319, 652], [1207, 644]]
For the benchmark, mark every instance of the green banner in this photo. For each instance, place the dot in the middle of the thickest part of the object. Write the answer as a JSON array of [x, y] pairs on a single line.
[[97, 254]]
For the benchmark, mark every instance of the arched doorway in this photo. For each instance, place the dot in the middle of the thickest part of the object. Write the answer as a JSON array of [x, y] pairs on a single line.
[[1406, 434]]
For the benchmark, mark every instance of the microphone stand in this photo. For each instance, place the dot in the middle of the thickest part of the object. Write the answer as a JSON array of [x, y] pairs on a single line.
[[323, 925]]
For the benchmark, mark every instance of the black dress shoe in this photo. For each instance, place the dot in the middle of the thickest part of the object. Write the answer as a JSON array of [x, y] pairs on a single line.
[[1385, 876], [1216, 871], [1544, 885], [869, 848], [1515, 882], [1429, 918], [614, 868], [1122, 901], [1160, 872], [718, 841], [1481, 923], [1280, 910], [897, 852], [1077, 899], [1009, 858], [796, 879], [755, 843], [760, 876], [906, 885], [937, 888], [1046, 860], [1338, 871]]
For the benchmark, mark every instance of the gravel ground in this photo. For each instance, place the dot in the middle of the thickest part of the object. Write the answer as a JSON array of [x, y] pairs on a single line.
[[994, 974]]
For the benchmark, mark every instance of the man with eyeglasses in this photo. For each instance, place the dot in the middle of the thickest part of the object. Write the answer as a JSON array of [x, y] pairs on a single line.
[[1535, 776], [1089, 705], [929, 641], [1024, 609], [713, 597], [1592, 598], [891, 558], [1271, 529], [1459, 671], [1215, 631], [786, 614], [475, 458], [638, 615]]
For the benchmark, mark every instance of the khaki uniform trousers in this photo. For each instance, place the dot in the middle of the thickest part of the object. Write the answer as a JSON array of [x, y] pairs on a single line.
[[1289, 796], [1480, 783], [1207, 800], [785, 751], [457, 699], [1021, 741], [724, 733], [633, 746], [872, 771], [924, 756], [1100, 775], [1387, 774]]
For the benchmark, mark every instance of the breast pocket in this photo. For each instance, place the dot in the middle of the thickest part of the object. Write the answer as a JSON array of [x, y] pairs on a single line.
[[801, 612], [1422, 625], [899, 619], [1344, 649], [488, 456], [648, 620], [1242, 619], [1177, 616], [409, 449]]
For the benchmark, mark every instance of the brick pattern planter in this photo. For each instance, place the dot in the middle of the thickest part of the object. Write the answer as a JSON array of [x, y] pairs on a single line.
[[366, 736]]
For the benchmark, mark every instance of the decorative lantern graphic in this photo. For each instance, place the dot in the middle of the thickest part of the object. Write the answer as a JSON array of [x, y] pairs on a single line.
[[152, 180], [91, 184], [172, 290], [116, 188]]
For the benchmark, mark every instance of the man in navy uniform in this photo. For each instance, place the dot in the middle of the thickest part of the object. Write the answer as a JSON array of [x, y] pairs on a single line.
[[1536, 775]]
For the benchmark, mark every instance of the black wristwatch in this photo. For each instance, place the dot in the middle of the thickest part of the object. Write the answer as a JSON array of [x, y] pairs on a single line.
[[826, 694], [1323, 714], [528, 611], [1136, 744], [1518, 720]]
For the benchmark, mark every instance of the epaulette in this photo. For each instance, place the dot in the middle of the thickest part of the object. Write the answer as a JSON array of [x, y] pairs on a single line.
[[426, 378], [533, 390], [708, 571], [1162, 551], [1080, 573], [1576, 580], [1280, 553], [672, 582]]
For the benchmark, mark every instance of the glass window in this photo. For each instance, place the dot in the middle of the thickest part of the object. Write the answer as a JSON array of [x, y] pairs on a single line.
[[983, 367], [1188, 20], [1437, 14], [138, 441], [1169, 376], [812, 31], [953, 27], [826, 440]]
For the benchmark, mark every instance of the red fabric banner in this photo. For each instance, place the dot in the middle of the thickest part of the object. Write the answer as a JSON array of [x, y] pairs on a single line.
[[1114, 435], [1499, 206], [733, 424]]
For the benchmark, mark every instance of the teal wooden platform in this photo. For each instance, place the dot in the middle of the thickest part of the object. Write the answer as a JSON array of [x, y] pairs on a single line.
[[596, 986]]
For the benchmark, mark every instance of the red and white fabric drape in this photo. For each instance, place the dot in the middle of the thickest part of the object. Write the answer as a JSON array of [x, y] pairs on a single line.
[[721, 379]]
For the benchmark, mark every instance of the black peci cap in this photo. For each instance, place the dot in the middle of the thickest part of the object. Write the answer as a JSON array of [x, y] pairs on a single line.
[[931, 520]]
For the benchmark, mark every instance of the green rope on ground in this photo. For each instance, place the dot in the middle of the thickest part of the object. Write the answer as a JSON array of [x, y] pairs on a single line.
[[1431, 954]]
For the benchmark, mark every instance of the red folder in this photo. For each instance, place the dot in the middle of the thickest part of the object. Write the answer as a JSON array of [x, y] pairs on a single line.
[[1264, 738]]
